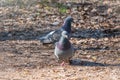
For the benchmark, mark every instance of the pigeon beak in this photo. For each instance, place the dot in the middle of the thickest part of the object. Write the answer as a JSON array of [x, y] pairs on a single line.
[[66, 36]]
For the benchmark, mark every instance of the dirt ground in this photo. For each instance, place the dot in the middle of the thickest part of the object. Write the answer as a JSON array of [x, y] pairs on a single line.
[[95, 36]]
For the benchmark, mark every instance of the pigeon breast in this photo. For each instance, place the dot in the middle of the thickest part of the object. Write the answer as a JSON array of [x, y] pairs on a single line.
[[63, 44]]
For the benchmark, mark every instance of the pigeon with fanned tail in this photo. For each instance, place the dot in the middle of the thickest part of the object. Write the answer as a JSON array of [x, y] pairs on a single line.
[[64, 49], [55, 35]]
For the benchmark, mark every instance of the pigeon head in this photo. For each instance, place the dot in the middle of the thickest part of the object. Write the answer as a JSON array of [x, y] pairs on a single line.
[[69, 19], [65, 34], [64, 43], [67, 24]]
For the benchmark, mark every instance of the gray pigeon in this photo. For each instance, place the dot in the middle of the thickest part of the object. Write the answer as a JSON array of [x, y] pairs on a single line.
[[63, 48], [55, 35]]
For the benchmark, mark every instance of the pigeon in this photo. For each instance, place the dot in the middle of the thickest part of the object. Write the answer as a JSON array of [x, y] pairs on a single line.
[[64, 49], [55, 35]]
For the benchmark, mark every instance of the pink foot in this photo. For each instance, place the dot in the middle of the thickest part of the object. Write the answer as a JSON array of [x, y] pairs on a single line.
[[63, 63]]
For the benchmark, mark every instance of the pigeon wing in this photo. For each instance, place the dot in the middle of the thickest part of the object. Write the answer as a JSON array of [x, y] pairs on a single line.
[[51, 37]]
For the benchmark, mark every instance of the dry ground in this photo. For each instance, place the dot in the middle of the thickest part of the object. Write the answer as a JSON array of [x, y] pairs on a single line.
[[96, 37]]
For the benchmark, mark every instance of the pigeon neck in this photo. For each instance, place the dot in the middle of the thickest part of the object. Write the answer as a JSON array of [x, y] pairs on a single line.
[[67, 26]]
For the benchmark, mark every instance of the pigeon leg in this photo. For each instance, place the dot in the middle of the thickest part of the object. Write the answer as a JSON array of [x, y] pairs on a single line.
[[63, 63], [66, 62]]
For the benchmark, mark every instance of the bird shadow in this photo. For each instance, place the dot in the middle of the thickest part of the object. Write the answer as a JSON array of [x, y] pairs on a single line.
[[31, 34], [22, 34], [78, 62], [93, 48], [96, 33]]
